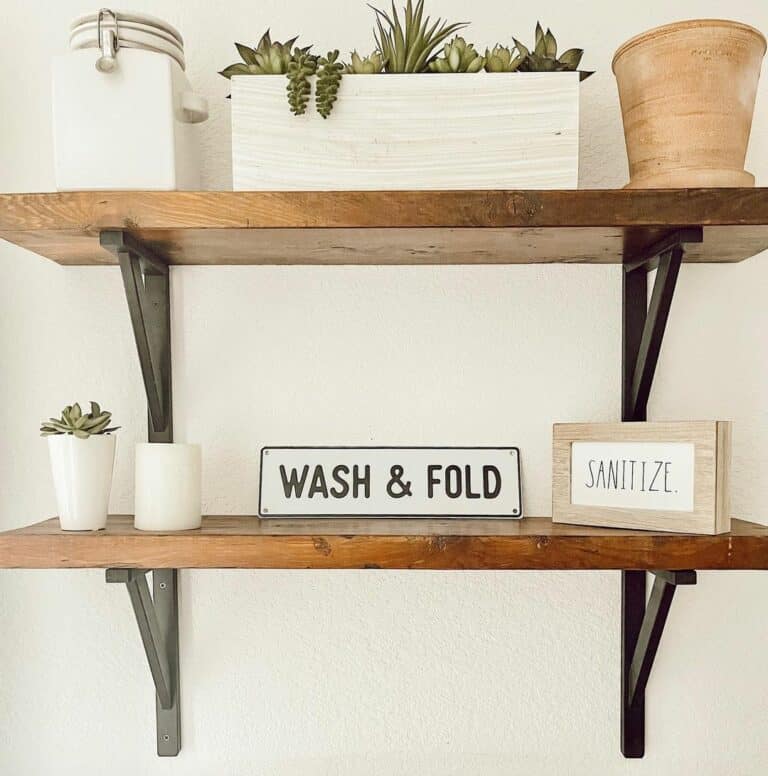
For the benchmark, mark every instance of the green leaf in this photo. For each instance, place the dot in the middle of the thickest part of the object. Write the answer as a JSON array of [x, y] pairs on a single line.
[[95, 409], [76, 413], [239, 68], [476, 65], [99, 427], [247, 53], [550, 45], [572, 58], [523, 50], [80, 434]]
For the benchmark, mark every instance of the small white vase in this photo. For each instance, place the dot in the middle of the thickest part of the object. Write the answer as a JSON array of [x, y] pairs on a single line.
[[168, 490], [82, 479]]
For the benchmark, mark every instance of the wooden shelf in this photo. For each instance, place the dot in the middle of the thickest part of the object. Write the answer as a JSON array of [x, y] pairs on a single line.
[[395, 227], [248, 542]]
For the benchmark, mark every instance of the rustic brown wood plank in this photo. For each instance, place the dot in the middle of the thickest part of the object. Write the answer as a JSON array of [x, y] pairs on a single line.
[[247, 542], [374, 227]]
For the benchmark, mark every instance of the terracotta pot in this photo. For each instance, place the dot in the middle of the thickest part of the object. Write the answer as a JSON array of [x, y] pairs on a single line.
[[687, 94]]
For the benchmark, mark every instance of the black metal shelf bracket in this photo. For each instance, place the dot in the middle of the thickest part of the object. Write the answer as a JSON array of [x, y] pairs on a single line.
[[642, 626], [158, 621], [147, 290], [643, 325]]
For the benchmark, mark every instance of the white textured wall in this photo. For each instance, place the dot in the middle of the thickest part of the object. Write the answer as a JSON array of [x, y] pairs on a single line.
[[348, 673]]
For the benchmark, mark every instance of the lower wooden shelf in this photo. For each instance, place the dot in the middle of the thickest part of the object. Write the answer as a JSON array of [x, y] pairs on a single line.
[[251, 543]]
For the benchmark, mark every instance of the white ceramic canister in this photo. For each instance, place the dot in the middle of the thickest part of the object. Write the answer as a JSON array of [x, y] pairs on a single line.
[[168, 489], [123, 109], [82, 479]]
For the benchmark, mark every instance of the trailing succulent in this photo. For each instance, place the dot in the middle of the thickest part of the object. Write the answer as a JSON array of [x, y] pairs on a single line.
[[300, 68], [328, 82], [403, 45], [298, 64], [74, 421], [458, 57]]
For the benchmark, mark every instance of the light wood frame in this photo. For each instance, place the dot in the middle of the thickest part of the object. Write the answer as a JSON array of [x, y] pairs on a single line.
[[712, 461]]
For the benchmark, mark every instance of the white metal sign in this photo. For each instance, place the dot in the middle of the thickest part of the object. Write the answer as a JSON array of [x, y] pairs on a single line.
[[635, 475], [390, 481]]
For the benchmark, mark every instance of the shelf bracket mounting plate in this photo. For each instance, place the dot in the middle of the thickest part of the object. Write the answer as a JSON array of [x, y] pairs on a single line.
[[147, 290], [643, 325], [157, 616]]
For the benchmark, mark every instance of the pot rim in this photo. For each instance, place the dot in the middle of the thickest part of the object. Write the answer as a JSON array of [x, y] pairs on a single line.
[[670, 29]]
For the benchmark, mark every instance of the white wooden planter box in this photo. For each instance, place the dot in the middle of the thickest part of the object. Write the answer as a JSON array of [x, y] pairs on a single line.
[[428, 131]]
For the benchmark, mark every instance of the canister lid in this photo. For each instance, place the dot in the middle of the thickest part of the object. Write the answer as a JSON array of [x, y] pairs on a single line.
[[129, 31], [141, 20]]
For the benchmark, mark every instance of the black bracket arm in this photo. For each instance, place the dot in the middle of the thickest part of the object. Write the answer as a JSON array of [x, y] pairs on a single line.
[[147, 290], [655, 618], [157, 616], [644, 323], [643, 623]]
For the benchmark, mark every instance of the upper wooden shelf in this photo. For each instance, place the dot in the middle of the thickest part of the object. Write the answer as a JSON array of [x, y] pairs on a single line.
[[389, 227], [248, 542]]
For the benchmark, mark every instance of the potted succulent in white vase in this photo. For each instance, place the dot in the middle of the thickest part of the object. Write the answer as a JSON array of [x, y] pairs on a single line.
[[425, 110], [82, 452]]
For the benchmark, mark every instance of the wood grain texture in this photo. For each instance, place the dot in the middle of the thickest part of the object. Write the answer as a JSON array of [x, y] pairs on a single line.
[[479, 131], [395, 227], [712, 452], [248, 542]]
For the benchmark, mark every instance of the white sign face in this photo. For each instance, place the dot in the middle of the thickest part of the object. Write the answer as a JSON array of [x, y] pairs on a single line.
[[390, 482], [633, 475]]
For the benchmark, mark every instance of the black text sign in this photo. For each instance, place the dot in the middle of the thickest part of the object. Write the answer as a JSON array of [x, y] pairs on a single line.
[[384, 481]]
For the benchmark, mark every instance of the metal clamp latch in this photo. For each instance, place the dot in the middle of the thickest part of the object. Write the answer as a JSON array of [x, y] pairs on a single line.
[[108, 41]]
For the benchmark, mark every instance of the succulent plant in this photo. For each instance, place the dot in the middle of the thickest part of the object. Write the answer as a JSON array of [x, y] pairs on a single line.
[[268, 58], [410, 48], [328, 81], [300, 68], [73, 421], [458, 57], [369, 65], [502, 60], [544, 59]]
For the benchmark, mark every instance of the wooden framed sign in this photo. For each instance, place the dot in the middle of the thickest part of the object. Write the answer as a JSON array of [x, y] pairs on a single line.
[[653, 476], [390, 482]]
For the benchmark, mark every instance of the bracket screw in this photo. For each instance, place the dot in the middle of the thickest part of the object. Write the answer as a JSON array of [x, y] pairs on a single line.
[[163, 585], [166, 737]]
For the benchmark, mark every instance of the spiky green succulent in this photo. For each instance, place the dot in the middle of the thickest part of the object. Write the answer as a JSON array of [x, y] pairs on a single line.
[[268, 58], [544, 59], [369, 65], [74, 421], [410, 47], [502, 59], [328, 82], [300, 68], [458, 57]]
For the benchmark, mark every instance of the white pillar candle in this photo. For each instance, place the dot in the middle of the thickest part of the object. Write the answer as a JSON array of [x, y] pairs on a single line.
[[167, 486]]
